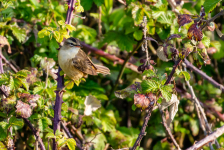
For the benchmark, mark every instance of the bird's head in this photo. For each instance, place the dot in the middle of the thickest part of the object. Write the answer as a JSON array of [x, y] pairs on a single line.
[[71, 43]]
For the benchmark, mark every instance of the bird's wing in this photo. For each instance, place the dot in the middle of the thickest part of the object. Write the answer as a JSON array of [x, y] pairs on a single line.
[[82, 62]]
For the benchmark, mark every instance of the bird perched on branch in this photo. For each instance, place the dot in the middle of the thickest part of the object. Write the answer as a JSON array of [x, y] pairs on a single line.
[[75, 63]]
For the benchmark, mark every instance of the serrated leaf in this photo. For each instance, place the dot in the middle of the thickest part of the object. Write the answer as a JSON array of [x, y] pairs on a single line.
[[22, 73], [209, 5], [48, 120], [71, 144], [25, 84], [148, 73], [138, 35], [42, 124], [11, 83], [166, 92], [19, 33], [64, 107], [149, 86], [206, 41], [13, 121], [57, 133], [70, 27], [186, 75], [38, 89], [70, 84], [50, 135]]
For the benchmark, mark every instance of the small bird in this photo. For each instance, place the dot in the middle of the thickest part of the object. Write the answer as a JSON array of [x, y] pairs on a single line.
[[75, 63]]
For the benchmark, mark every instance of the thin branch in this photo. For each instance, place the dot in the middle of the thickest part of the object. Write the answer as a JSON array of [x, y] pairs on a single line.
[[8, 63], [143, 133], [208, 128], [167, 128], [99, 23], [78, 144], [123, 66], [35, 133], [173, 71], [213, 18], [203, 75], [109, 56], [208, 139]]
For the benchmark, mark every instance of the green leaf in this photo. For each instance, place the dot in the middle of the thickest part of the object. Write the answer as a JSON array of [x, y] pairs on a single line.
[[22, 73], [166, 92], [3, 134], [64, 107], [98, 2], [160, 99], [2, 146], [3, 115], [70, 27], [71, 144], [50, 135], [13, 121], [149, 86], [138, 35], [133, 107], [186, 75], [11, 83], [70, 84], [148, 73], [43, 124], [206, 41], [25, 84], [209, 5], [19, 33], [87, 4]]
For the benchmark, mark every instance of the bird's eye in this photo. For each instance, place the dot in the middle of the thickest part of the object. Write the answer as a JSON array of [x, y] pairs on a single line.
[[71, 44]]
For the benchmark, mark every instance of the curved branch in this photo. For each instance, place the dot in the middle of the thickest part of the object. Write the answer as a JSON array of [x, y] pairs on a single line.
[[203, 75]]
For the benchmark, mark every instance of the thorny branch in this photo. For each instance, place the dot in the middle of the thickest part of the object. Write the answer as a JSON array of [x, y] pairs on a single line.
[[208, 128], [143, 133], [167, 128], [60, 85], [208, 139], [35, 133]]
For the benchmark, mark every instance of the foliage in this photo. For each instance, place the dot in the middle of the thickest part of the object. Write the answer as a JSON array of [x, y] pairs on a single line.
[[91, 110]]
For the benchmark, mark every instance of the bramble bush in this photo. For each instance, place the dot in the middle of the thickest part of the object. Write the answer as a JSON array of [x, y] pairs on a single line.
[[164, 90]]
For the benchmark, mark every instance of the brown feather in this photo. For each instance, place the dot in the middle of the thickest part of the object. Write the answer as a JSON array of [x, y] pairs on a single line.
[[84, 64]]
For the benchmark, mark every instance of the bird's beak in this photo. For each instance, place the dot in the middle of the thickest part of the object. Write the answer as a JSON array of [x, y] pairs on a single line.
[[80, 46]]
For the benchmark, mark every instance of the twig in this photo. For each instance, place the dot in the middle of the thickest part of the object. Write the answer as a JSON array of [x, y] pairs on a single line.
[[167, 128], [109, 56], [8, 63], [78, 144], [35, 133], [203, 75], [99, 23], [143, 133], [173, 71], [208, 128], [208, 139], [213, 18], [123, 66], [60, 85]]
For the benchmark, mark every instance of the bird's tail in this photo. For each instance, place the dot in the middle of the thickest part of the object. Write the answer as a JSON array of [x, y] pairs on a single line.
[[102, 69]]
